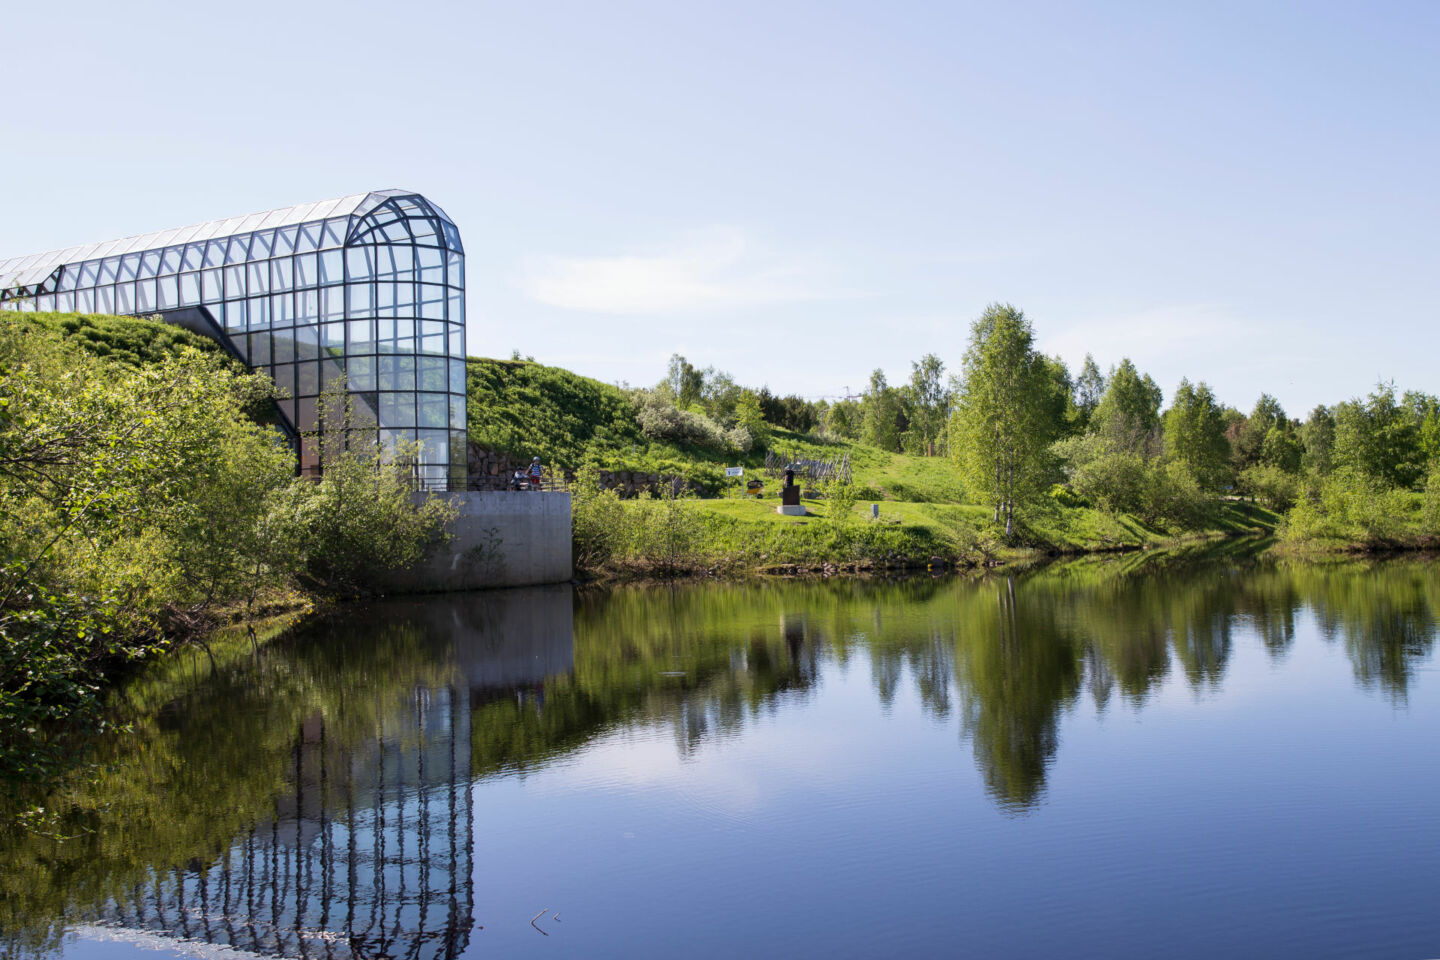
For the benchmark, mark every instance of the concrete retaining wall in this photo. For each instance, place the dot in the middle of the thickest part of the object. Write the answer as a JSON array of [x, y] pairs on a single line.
[[501, 539]]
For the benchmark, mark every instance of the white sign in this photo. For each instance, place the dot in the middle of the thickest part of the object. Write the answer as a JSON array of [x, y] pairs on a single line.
[[734, 471]]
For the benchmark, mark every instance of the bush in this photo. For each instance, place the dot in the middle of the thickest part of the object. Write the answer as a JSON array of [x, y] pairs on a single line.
[[1271, 485], [1349, 508], [659, 419], [1114, 482]]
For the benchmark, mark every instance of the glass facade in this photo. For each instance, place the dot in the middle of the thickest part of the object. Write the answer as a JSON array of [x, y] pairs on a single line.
[[370, 288]]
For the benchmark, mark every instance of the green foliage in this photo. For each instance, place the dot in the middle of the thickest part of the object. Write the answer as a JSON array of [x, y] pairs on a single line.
[[528, 409], [881, 414], [1349, 509], [1317, 437], [925, 402], [1195, 435], [1278, 489], [1003, 420], [1129, 412], [131, 341], [1089, 389], [750, 418], [135, 502], [1379, 439]]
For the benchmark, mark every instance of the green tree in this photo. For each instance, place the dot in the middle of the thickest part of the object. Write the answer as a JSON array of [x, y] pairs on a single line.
[[1379, 439], [749, 416], [684, 381], [1317, 437], [1129, 412], [1195, 434], [1249, 441], [926, 401], [1089, 389], [881, 414], [1001, 426]]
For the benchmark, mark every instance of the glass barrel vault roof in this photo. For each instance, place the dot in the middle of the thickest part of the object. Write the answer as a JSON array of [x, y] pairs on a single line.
[[368, 289]]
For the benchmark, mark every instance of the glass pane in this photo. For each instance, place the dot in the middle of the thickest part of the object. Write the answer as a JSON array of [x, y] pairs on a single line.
[[334, 233], [307, 378], [235, 316], [282, 309], [432, 264], [362, 373], [215, 253], [125, 298], [258, 275], [432, 301], [150, 263], [332, 266], [332, 337], [260, 244], [284, 346], [239, 250], [110, 270], [332, 372], [306, 406], [424, 232], [307, 273], [88, 274], [309, 238], [332, 303], [260, 349], [397, 409], [105, 300], [457, 340], [405, 300], [457, 410], [212, 287], [281, 274], [144, 296], [457, 376], [434, 446], [432, 338], [193, 257], [259, 312], [360, 263], [432, 373], [362, 299], [170, 262], [285, 241], [85, 300], [189, 289], [235, 282], [362, 336], [455, 307], [130, 266], [307, 343], [307, 306]]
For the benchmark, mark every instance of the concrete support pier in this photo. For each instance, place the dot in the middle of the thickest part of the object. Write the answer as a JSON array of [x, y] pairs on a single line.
[[501, 539]]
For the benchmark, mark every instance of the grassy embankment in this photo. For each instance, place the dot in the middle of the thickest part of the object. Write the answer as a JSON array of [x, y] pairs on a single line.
[[524, 408]]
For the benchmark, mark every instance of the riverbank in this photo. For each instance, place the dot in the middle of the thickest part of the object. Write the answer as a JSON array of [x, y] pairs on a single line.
[[733, 538]]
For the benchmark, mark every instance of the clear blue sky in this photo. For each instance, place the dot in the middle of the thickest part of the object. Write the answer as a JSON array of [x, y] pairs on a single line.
[[1243, 193]]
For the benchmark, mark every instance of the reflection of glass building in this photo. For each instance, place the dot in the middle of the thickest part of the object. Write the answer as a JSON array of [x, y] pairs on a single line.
[[370, 287], [369, 853]]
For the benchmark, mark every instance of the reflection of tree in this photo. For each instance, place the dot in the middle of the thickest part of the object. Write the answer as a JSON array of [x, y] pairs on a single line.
[[1383, 614], [1014, 678]]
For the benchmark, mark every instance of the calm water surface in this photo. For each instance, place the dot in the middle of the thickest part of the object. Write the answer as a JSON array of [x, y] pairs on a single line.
[[1134, 758]]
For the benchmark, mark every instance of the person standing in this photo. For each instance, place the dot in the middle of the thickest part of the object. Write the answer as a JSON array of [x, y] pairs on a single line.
[[535, 473]]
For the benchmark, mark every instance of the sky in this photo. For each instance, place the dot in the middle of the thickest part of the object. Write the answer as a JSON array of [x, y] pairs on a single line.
[[799, 193]]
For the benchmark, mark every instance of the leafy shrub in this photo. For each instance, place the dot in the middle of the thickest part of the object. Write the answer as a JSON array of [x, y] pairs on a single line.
[[1348, 507], [660, 419], [1271, 485]]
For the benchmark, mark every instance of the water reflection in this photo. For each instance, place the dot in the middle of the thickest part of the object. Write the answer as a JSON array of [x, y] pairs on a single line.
[[318, 801]]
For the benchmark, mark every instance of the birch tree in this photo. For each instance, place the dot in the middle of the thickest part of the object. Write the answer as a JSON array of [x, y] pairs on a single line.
[[999, 428]]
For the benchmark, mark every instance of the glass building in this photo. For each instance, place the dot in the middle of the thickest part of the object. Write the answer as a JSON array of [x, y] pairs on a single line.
[[369, 287]]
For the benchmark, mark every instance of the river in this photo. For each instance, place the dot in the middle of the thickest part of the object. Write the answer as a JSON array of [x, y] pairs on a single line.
[[1138, 756]]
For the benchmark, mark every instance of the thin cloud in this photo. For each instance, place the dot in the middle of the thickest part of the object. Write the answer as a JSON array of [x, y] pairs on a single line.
[[711, 269]]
